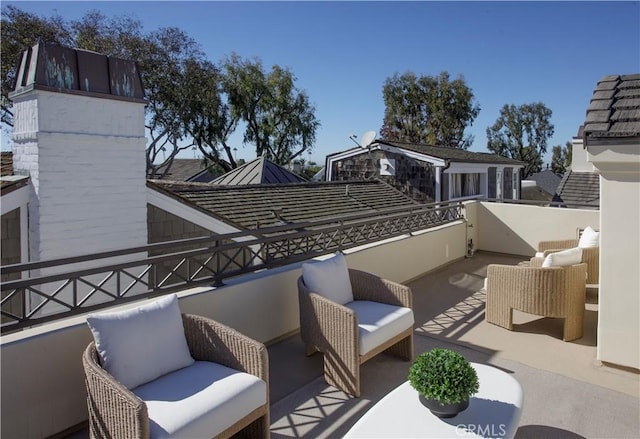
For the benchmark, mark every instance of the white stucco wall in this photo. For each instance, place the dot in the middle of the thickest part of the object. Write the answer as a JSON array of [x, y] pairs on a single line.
[[517, 229], [619, 294], [579, 162]]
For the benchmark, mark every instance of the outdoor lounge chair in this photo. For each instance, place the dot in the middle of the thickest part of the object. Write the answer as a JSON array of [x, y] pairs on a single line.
[[590, 255], [222, 390], [557, 291], [589, 241], [349, 331]]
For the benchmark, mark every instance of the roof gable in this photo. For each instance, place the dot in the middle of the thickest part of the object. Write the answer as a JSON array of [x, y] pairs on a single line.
[[258, 171], [443, 153]]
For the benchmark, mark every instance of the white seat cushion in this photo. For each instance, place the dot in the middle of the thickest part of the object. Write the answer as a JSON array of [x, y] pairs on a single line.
[[378, 322], [329, 278], [201, 400]]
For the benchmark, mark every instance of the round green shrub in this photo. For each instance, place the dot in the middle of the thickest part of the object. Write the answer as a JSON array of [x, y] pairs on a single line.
[[443, 375]]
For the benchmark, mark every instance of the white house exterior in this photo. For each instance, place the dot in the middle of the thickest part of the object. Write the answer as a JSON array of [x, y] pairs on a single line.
[[429, 173]]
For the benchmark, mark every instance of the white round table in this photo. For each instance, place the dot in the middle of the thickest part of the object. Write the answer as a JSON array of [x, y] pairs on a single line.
[[493, 412]]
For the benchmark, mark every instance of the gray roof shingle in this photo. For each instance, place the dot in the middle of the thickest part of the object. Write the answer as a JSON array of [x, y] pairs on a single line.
[[614, 110], [253, 206], [186, 170], [546, 180], [579, 189]]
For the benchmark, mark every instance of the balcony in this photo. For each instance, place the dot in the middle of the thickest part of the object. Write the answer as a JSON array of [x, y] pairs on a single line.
[[568, 391]]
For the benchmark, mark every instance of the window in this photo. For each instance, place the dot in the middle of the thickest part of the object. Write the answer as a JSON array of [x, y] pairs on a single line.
[[465, 185]]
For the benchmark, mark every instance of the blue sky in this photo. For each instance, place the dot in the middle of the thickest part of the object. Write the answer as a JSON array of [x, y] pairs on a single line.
[[342, 52]]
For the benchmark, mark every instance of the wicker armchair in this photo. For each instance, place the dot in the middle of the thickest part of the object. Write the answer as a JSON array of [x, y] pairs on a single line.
[[590, 256], [116, 412], [549, 292], [332, 329]]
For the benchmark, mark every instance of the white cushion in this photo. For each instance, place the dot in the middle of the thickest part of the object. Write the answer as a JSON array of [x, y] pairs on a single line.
[[201, 400], [563, 258], [589, 238], [539, 255], [379, 322], [138, 345], [329, 278]]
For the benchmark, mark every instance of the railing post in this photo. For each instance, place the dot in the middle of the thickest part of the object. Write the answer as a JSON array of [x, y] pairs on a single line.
[[217, 280]]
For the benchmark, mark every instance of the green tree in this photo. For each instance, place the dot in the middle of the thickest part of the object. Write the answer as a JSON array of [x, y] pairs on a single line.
[[162, 56], [426, 109], [561, 158], [279, 119], [521, 133], [192, 104]]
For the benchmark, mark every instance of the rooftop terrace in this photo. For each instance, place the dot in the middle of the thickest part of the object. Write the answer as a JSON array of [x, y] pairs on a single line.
[[568, 391]]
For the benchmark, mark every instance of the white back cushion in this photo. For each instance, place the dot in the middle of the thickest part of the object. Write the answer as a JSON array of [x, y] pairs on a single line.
[[563, 258], [329, 278], [138, 345], [589, 238]]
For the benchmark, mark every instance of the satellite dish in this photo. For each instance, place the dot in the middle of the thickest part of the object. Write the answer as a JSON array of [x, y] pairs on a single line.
[[367, 138]]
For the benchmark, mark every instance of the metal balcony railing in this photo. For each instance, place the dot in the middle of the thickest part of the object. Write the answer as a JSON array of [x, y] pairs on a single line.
[[55, 289]]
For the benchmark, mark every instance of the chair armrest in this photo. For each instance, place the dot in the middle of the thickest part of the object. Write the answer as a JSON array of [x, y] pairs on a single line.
[[367, 286], [561, 244], [209, 340], [115, 411]]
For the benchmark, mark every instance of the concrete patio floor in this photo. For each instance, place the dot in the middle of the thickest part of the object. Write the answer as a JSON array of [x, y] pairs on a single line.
[[568, 393]]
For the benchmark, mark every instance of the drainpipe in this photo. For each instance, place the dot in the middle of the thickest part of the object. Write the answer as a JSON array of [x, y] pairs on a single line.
[[439, 175]]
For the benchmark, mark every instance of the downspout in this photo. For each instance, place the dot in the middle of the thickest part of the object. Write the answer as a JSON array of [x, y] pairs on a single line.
[[447, 164]]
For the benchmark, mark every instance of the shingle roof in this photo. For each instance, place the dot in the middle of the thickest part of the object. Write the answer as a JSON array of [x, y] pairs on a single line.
[[250, 206], [9, 181], [451, 154], [186, 170], [614, 110], [6, 163], [579, 188], [258, 171], [546, 180]]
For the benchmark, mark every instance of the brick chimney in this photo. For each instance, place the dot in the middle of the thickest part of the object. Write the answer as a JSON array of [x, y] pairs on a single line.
[[79, 134]]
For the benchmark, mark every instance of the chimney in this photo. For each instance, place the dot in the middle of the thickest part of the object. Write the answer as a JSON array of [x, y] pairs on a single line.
[[79, 134]]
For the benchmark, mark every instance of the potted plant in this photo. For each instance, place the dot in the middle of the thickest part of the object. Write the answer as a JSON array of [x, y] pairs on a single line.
[[445, 381]]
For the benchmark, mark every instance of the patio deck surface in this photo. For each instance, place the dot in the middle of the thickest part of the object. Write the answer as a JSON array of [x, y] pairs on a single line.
[[568, 393]]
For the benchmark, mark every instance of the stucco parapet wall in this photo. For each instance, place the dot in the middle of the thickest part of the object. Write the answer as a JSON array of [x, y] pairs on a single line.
[[64, 70]]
